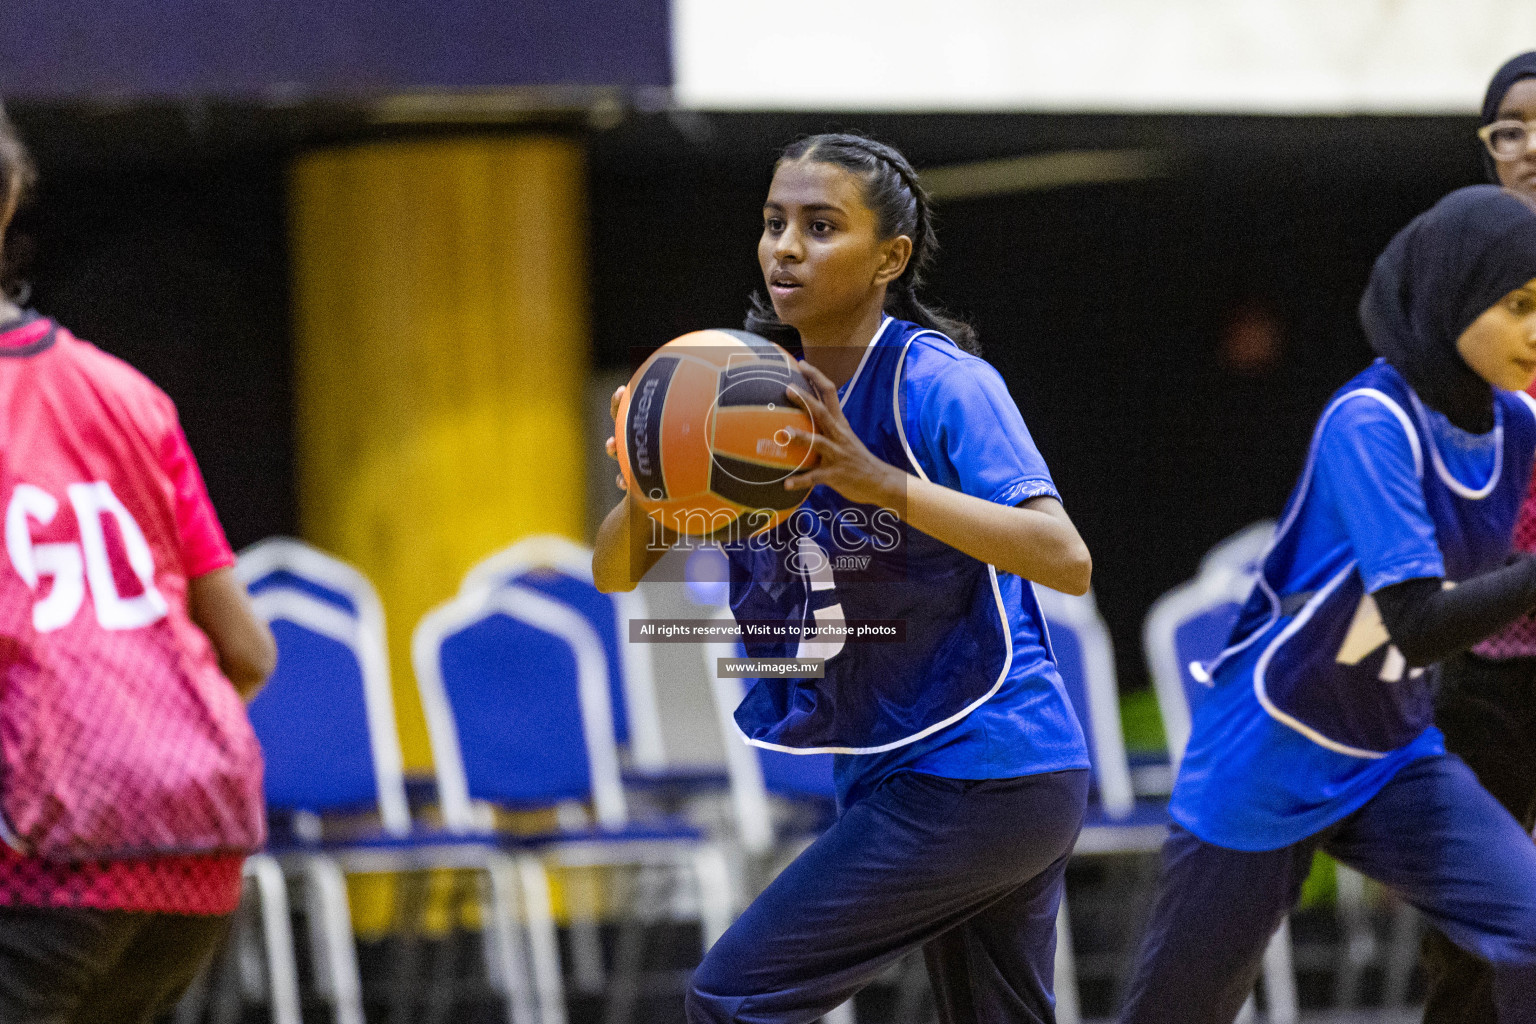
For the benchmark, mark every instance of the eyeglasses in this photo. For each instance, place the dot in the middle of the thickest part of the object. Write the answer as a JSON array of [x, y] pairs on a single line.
[[1507, 140]]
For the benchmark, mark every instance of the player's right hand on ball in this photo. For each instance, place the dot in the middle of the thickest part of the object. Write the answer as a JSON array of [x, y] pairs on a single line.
[[611, 446]]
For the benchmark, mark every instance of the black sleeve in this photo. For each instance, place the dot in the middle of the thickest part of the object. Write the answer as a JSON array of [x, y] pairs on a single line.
[[1428, 623]]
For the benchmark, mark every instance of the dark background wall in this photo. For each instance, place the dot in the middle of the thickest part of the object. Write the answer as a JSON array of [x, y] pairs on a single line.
[[1117, 312], [182, 271]]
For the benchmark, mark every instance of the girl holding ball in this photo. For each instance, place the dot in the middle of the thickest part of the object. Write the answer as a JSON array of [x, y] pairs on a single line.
[[961, 770]]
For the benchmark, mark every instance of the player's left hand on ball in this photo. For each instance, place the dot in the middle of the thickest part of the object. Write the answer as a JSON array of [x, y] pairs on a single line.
[[611, 446], [845, 465]]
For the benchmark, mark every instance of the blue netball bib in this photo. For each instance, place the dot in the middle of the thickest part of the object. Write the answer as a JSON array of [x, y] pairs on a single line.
[[1391, 492], [921, 404]]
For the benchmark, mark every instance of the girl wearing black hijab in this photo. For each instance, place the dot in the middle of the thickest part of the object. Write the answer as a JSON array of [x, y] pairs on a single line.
[[1487, 701], [1317, 732]]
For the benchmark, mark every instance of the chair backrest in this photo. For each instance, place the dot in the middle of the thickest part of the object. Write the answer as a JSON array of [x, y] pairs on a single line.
[[1190, 624], [1085, 658], [755, 773], [1244, 550], [562, 569], [326, 718], [514, 685], [686, 707]]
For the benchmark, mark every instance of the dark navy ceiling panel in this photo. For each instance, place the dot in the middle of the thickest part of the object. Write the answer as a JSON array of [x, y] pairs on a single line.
[[299, 49]]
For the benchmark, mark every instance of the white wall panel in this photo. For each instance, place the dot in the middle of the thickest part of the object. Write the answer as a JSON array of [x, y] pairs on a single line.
[[1305, 56]]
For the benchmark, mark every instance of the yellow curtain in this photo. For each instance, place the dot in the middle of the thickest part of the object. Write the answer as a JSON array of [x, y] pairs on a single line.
[[441, 337], [441, 349]]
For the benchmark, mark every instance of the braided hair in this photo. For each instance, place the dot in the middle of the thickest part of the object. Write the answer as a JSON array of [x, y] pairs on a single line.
[[17, 176], [901, 207]]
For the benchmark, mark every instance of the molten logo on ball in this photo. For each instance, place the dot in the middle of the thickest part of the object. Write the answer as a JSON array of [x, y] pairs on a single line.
[[643, 433], [707, 428]]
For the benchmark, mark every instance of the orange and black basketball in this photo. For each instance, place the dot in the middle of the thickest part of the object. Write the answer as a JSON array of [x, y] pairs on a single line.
[[704, 432]]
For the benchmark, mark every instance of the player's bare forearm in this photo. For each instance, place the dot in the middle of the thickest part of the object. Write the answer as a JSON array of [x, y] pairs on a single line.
[[629, 544], [1035, 540], [247, 652]]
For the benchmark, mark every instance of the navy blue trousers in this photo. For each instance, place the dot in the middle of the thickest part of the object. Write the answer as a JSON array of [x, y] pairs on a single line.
[[1433, 835], [968, 871]]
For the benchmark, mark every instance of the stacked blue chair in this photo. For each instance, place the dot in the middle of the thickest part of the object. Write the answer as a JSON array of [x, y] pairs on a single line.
[[517, 693], [1117, 821], [336, 787], [1244, 550], [1186, 629], [343, 753], [562, 569]]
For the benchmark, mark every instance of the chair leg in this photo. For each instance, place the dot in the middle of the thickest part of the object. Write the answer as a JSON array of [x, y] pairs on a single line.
[[194, 1003], [331, 942], [1068, 1009], [410, 908], [717, 902], [844, 1015], [250, 959], [912, 989], [277, 936], [645, 898], [505, 961], [1280, 978], [225, 996], [543, 942], [587, 974], [1358, 940], [1403, 955], [443, 955]]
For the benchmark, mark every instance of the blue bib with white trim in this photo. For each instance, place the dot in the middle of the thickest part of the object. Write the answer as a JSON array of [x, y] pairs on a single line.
[[1325, 665], [966, 627]]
